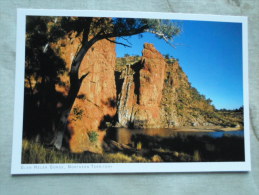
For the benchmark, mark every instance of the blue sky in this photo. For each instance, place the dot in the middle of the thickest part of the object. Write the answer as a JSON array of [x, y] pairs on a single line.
[[210, 53]]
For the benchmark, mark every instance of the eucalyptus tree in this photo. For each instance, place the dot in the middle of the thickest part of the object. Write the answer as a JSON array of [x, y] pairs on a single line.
[[92, 30]]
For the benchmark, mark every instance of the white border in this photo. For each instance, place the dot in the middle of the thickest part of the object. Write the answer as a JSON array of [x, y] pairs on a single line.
[[18, 168]]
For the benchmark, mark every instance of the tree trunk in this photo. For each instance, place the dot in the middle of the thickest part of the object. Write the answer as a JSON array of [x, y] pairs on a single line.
[[61, 129], [63, 119], [75, 84]]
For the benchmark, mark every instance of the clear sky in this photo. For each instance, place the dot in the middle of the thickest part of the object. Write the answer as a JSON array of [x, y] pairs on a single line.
[[210, 53]]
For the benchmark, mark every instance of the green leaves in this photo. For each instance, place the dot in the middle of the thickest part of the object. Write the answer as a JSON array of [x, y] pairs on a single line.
[[163, 29], [93, 136], [78, 113]]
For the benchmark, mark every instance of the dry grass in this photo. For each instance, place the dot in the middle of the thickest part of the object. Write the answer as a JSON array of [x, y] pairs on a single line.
[[34, 153], [153, 149]]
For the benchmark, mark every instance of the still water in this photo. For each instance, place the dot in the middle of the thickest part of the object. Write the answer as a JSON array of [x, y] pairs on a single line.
[[124, 135]]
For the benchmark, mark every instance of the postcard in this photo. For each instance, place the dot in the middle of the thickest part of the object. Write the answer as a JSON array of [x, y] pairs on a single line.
[[130, 92]]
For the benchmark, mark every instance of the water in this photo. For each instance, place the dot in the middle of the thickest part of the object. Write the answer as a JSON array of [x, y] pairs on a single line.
[[226, 133], [124, 135]]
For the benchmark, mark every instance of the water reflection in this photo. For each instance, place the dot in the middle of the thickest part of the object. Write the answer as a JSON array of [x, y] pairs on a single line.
[[124, 135]]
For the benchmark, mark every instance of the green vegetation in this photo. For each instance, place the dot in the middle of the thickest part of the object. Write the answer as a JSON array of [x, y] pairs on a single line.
[[182, 102], [78, 113], [93, 136], [122, 62]]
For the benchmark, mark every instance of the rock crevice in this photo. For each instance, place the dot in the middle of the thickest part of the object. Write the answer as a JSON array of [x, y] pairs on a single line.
[[141, 93]]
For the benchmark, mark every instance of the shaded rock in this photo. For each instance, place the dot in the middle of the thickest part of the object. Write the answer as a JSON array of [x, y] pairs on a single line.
[[95, 105], [156, 158]]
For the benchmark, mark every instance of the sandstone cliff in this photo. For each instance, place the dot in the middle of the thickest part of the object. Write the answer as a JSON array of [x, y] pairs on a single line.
[[137, 92], [155, 92], [181, 104], [95, 104], [141, 92]]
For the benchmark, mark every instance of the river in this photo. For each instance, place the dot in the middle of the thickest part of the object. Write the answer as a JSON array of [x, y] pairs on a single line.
[[124, 135]]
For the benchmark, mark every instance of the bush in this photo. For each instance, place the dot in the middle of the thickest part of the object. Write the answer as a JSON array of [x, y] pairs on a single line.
[[139, 146], [196, 156], [93, 136], [78, 112]]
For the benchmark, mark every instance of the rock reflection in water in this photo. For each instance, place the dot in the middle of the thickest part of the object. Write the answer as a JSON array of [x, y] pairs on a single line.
[[124, 135]]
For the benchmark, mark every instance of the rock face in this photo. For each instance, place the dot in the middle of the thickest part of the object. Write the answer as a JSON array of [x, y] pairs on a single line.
[[95, 104], [181, 104], [151, 86], [127, 99], [141, 93], [146, 92], [156, 93]]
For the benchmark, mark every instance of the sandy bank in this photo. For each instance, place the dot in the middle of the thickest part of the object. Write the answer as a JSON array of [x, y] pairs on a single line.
[[207, 129]]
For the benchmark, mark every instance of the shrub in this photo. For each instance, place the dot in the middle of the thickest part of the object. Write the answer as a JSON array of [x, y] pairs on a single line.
[[139, 146], [93, 136], [196, 156], [78, 112], [118, 158]]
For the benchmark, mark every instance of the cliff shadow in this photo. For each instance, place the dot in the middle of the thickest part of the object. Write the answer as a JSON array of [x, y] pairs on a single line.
[[42, 102], [119, 79], [108, 120], [136, 77], [43, 67], [118, 82]]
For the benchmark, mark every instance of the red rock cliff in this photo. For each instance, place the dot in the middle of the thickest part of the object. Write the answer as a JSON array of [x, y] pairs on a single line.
[[96, 97], [139, 104]]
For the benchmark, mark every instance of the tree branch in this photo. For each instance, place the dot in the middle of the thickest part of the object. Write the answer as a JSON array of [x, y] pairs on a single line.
[[162, 35], [83, 76], [89, 43], [126, 40], [124, 33], [125, 45], [86, 30]]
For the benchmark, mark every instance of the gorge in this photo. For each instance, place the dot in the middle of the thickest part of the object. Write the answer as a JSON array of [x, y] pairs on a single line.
[[82, 103], [133, 92]]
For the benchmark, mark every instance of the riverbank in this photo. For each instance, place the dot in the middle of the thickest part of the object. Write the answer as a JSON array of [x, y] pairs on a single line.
[[185, 144], [207, 129], [145, 148]]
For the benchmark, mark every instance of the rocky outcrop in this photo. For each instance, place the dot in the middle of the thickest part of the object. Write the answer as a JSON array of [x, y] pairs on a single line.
[[127, 99], [95, 105], [148, 92], [181, 104], [151, 83], [156, 93], [141, 93]]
